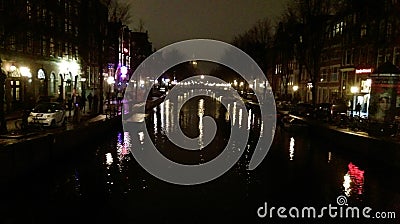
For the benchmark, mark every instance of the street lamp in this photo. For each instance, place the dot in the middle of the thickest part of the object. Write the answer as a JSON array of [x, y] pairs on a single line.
[[26, 73], [295, 88], [354, 91]]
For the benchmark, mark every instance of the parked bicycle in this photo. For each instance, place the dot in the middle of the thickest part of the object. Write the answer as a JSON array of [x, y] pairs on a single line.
[[23, 125], [358, 123]]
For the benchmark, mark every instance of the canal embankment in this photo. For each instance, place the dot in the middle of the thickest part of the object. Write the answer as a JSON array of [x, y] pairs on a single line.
[[383, 149], [22, 154]]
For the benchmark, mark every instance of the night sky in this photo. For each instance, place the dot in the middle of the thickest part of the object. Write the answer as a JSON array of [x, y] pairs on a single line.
[[175, 20]]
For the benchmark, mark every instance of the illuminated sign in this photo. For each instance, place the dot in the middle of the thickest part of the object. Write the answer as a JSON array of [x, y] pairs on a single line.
[[364, 70]]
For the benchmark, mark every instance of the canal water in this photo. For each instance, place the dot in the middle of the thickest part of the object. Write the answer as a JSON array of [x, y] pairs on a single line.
[[102, 182]]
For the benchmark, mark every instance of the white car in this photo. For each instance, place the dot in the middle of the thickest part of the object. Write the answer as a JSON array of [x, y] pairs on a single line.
[[48, 114]]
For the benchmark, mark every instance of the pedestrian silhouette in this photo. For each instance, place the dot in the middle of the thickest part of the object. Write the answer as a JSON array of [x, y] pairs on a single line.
[[90, 100], [358, 109]]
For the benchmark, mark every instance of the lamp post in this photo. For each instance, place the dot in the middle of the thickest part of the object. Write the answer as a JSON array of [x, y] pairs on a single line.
[[354, 91], [26, 74]]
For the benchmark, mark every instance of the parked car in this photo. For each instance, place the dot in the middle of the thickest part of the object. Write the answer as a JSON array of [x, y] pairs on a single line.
[[337, 109], [323, 111], [48, 114], [302, 109]]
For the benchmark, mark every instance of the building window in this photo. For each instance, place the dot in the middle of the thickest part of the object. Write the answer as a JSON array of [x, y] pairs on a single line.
[[65, 48], [363, 30], [37, 42], [44, 46], [44, 14], [29, 42], [348, 57], [52, 50], [38, 12], [65, 25], [76, 52], [334, 74], [70, 53], [29, 10], [388, 30], [20, 42], [324, 76], [11, 42], [60, 49], [338, 28], [66, 7], [51, 20], [70, 27]]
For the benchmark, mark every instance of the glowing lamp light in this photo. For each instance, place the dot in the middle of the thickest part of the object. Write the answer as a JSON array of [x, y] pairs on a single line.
[[13, 68], [124, 71], [295, 88], [354, 89], [26, 72], [110, 80], [125, 50], [368, 82]]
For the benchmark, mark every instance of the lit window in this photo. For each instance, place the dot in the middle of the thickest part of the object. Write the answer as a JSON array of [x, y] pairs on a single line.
[[29, 9], [363, 30], [51, 20], [52, 51], [389, 30], [12, 42], [334, 75], [66, 25], [44, 12], [44, 45], [29, 42]]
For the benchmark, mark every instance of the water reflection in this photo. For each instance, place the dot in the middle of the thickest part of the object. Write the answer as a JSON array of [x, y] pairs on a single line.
[[201, 114], [109, 160], [112, 177], [291, 148], [353, 180]]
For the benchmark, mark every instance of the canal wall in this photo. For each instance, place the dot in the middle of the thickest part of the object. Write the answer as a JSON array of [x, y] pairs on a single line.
[[25, 155], [385, 150], [28, 154]]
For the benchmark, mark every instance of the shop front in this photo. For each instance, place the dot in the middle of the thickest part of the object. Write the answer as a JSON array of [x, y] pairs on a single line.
[[385, 99]]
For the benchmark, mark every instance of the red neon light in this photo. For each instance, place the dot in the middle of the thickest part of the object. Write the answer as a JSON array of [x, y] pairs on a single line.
[[364, 70]]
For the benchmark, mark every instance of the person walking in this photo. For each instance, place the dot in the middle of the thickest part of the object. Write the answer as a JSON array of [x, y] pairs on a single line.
[[358, 109], [76, 103], [95, 104], [90, 100]]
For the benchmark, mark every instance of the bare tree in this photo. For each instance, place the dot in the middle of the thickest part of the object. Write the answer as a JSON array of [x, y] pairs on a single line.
[[309, 20], [140, 27], [119, 10], [256, 42]]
